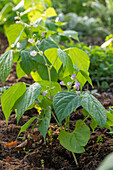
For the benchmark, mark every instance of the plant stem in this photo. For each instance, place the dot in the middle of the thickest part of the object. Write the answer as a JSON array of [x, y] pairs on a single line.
[[86, 118], [55, 118], [75, 159], [49, 74]]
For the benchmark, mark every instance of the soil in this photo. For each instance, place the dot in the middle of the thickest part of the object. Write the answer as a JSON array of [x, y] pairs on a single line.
[[29, 152]]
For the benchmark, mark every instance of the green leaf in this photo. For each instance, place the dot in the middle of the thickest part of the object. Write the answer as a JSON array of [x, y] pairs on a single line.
[[70, 34], [26, 125], [27, 63], [43, 73], [66, 60], [34, 15], [52, 56], [13, 32], [50, 12], [81, 79], [27, 99], [93, 124], [45, 85], [65, 103], [19, 71], [5, 10], [16, 41], [76, 140], [79, 58], [95, 109], [6, 61], [47, 44], [85, 74], [10, 96], [21, 45], [109, 118], [44, 124], [34, 3]]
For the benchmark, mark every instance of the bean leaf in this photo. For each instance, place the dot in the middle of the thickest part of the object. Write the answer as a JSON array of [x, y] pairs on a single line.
[[65, 103]]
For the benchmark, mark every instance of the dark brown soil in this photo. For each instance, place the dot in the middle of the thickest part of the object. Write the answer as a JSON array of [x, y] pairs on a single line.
[[30, 152]]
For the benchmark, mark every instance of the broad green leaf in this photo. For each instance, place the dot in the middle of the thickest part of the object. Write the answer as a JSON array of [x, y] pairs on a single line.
[[27, 63], [19, 71], [26, 125], [70, 34], [79, 58], [52, 56], [109, 119], [21, 45], [65, 103], [50, 12], [47, 44], [29, 3], [44, 124], [95, 109], [93, 124], [66, 60], [16, 41], [76, 140], [81, 79], [35, 76], [86, 76], [6, 61], [48, 2], [34, 15], [13, 31], [27, 99], [10, 96], [51, 26], [46, 86], [43, 73], [5, 10]]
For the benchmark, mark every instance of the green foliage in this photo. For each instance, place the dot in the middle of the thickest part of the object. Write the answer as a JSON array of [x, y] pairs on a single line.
[[6, 61], [44, 124], [95, 109], [10, 97], [65, 103], [101, 61], [34, 43], [26, 125], [76, 140]]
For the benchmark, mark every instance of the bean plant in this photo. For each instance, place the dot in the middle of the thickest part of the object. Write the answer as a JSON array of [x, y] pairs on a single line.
[[34, 46]]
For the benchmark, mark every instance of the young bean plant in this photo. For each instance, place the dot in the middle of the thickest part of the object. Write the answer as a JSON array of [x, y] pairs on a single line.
[[34, 46]]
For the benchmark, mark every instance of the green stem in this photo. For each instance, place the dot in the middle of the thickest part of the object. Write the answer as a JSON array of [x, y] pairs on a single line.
[[53, 63], [75, 159], [55, 118], [86, 118], [49, 74]]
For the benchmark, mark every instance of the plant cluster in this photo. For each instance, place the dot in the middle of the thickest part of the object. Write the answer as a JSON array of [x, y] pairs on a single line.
[[87, 17], [34, 46], [101, 60]]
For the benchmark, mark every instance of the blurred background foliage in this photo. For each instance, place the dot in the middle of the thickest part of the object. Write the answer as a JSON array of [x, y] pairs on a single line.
[[93, 20]]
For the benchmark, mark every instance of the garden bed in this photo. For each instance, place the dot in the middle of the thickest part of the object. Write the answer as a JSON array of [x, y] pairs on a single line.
[[30, 152]]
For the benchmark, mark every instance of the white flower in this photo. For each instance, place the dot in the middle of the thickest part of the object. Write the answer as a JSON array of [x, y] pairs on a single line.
[[33, 53], [31, 40], [62, 83], [68, 83], [38, 42]]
